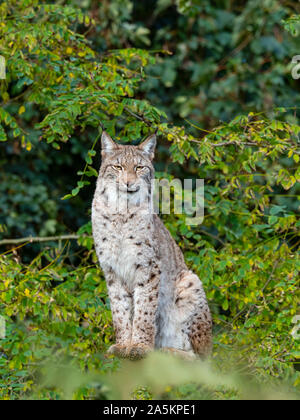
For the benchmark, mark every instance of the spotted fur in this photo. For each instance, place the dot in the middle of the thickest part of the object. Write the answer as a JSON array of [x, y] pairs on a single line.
[[156, 301]]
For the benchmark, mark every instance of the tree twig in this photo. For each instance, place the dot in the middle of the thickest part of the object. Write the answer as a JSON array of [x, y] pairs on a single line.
[[262, 290], [32, 239], [213, 236]]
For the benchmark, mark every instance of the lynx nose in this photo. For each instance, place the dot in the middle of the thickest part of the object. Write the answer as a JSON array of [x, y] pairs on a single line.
[[130, 180], [131, 187]]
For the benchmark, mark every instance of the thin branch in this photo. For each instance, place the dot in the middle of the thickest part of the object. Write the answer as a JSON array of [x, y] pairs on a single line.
[[262, 290], [139, 117], [31, 239], [234, 52], [235, 143], [213, 236]]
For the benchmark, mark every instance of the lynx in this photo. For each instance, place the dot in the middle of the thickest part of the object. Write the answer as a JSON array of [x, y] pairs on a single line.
[[156, 301]]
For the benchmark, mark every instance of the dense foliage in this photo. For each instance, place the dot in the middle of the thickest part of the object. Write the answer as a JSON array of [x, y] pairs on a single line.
[[215, 81]]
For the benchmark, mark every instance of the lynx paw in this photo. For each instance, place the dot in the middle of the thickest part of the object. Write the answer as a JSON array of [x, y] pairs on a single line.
[[138, 351], [118, 350], [185, 355]]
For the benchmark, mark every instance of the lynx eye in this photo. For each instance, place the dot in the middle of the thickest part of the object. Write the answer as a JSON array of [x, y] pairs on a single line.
[[117, 167], [140, 168]]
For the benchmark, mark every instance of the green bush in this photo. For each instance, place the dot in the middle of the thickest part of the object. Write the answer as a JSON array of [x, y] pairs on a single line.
[[63, 82]]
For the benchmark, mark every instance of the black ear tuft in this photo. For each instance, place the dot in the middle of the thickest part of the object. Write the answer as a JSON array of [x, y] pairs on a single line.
[[148, 146], [107, 143]]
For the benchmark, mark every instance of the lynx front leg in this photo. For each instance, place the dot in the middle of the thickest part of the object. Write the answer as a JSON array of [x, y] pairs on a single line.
[[121, 308], [145, 306]]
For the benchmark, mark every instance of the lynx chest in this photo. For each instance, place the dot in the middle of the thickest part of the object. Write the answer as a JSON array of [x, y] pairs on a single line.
[[123, 244]]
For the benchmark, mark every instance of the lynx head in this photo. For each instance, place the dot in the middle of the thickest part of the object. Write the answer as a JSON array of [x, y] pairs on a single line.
[[128, 168]]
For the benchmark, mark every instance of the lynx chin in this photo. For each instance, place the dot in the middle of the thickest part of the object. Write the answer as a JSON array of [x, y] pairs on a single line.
[[156, 301]]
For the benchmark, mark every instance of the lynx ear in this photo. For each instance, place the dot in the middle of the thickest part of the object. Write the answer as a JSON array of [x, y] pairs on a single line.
[[148, 146], [107, 143]]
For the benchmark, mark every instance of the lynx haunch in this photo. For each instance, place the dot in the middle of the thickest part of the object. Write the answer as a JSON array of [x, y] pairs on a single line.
[[156, 301]]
